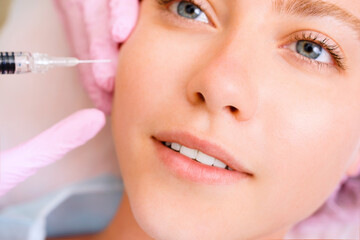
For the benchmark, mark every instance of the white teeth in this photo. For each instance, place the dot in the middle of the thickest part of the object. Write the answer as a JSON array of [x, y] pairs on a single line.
[[197, 155], [219, 164], [175, 146], [191, 153], [205, 159]]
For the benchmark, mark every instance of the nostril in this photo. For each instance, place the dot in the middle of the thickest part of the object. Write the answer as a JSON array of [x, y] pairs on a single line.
[[233, 109], [201, 97]]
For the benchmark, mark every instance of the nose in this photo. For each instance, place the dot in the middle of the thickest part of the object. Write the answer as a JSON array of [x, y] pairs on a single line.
[[223, 85]]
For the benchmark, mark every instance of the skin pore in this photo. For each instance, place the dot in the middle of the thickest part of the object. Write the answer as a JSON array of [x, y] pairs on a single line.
[[278, 88]]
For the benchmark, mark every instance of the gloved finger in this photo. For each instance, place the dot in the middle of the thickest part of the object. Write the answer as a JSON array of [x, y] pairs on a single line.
[[72, 14], [21, 162], [95, 28], [113, 25], [101, 44], [124, 14]]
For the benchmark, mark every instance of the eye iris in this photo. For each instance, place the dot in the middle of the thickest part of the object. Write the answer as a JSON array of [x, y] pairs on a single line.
[[309, 49], [188, 10]]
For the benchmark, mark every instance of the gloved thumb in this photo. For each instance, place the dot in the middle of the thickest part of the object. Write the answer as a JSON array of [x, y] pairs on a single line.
[[19, 163]]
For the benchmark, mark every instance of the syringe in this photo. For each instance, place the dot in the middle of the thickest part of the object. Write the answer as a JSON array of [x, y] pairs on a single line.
[[25, 62]]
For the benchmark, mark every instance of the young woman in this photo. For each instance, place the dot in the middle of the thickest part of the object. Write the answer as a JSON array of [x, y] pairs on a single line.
[[269, 88]]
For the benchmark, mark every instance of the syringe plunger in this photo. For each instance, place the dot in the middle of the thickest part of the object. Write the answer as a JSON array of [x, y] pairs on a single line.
[[7, 63]]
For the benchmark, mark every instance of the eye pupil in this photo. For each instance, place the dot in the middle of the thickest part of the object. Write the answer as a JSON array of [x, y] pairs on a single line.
[[188, 10], [191, 9], [309, 49]]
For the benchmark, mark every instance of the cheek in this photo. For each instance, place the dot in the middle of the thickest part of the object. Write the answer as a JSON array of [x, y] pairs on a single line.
[[312, 133], [151, 72], [146, 93]]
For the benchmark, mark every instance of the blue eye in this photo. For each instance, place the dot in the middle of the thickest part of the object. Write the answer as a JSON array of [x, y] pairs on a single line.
[[189, 10], [311, 50]]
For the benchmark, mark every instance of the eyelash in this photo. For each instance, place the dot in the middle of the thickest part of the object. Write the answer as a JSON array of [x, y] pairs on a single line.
[[197, 3], [164, 2], [332, 49]]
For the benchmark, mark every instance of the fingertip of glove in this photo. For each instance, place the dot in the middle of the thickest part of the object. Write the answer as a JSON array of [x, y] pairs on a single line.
[[121, 31], [124, 15], [107, 84], [104, 77], [95, 118], [83, 125]]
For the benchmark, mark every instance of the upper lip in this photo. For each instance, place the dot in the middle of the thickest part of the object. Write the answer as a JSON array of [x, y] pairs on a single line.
[[209, 148]]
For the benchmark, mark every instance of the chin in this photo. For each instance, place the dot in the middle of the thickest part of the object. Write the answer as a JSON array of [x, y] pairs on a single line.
[[164, 218]]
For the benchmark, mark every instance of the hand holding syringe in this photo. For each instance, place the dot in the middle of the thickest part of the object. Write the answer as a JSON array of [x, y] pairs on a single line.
[[25, 62], [22, 161]]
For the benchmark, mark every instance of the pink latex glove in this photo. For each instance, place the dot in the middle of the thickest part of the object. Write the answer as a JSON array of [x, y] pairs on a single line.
[[21, 162], [95, 29]]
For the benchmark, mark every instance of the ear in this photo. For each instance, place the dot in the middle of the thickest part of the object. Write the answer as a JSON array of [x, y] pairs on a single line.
[[354, 168]]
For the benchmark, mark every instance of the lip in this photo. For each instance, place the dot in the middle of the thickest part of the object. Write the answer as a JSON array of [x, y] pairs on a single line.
[[190, 169]]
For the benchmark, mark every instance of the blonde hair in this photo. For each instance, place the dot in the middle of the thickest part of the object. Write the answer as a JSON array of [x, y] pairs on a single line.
[[4, 9]]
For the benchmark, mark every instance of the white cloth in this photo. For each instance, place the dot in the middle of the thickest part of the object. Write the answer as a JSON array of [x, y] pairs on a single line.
[[83, 208]]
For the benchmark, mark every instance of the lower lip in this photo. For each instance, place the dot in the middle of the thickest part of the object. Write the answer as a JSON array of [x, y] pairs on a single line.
[[189, 169]]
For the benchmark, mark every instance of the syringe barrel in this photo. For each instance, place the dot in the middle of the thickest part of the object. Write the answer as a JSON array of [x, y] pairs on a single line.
[[15, 62]]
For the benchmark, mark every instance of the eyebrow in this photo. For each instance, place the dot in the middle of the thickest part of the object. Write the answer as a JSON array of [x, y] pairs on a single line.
[[317, 8]]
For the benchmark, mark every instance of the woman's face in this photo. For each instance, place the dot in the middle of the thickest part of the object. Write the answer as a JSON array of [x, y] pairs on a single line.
[[274, 84]]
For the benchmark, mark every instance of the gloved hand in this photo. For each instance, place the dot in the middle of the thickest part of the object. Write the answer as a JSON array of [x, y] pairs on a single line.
[[21, 162], [95, 28]]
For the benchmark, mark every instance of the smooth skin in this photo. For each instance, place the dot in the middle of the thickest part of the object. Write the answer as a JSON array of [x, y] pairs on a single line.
[[238, 82]]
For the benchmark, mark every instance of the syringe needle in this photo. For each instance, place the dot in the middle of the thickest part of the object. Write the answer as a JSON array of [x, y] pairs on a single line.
[[95, 61]]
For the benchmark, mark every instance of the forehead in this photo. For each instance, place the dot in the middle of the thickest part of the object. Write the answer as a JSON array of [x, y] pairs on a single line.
[[343, 11], [351, 6]]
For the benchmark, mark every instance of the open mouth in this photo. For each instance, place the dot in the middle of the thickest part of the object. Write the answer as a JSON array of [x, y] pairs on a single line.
[[197, 155]]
